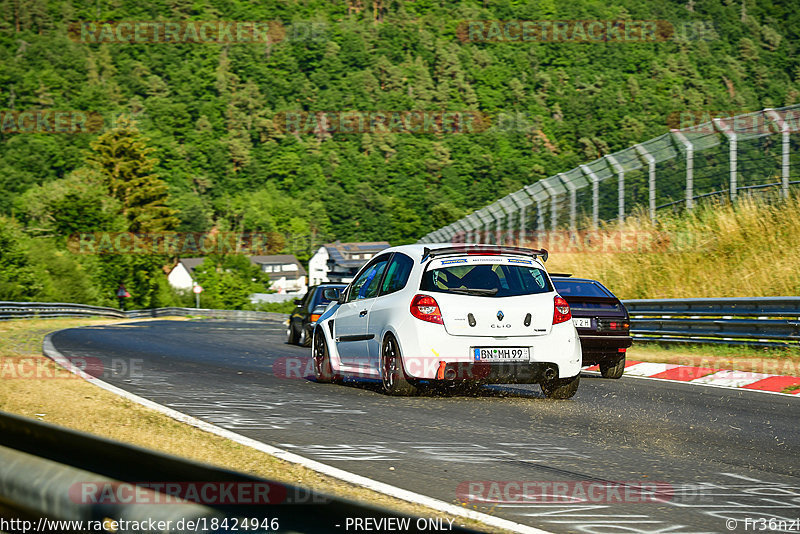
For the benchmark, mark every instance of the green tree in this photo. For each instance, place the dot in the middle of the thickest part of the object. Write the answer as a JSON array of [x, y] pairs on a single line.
[[18, 280], [228, 281], [122, 157]]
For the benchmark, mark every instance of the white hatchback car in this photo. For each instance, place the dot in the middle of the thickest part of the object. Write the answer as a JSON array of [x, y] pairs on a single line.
[[450, 315]]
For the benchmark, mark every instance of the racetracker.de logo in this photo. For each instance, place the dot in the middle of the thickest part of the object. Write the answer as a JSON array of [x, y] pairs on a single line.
[[708, 122], [399, 122], [75, 367], [50, 121], [565, 31], [207, 493], [173, 32], [171, 243], [563, 492]]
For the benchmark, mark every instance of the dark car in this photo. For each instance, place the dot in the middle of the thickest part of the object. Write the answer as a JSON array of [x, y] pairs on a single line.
[[602, 322], [305, 315]]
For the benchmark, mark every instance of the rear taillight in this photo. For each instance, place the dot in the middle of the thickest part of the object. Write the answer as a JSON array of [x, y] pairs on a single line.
[[425, 308], [314, 317], [604, 325], [561, 312]]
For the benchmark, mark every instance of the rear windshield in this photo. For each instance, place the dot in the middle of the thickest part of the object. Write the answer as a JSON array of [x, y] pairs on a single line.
[[580, 288], [489, 280]]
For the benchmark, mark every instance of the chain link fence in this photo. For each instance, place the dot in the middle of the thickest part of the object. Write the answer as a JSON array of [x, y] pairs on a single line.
[[723, 157]]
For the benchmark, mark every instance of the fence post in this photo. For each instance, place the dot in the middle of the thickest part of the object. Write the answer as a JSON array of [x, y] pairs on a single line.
[[449, 233], [620, 187], [458, 232], [498, 221], [484, 235], [651, 181], [784, 128], [475, 221], [553, 206], [521, 200], [689, 168], [595, 195], [728, 132], [573, 200], [507, 205]]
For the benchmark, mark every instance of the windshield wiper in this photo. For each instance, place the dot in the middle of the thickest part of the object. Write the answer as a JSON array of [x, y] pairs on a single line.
[[474, 291]]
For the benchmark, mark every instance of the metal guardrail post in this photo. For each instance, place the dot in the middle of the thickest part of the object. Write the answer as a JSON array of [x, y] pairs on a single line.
[[553, 204], [689, 168], [785, 145], [728, 132], [496, 214], [509, 208], [651, 178], [595, 195], [486, 219], [620, 187], [573, 200], [474, 223], [522, 201]]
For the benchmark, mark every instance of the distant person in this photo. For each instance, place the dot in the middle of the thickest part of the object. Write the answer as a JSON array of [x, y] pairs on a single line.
[[122, 294]]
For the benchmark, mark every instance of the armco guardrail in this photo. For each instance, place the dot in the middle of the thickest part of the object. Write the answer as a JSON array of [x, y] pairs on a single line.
[[35, 310], [760, 321], [61, 474]]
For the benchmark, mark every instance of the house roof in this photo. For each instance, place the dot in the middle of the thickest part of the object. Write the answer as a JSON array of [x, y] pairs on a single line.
[[365, 246], [280, 259], [190, 264]]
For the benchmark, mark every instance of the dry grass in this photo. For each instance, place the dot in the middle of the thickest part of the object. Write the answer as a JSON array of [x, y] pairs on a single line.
[[747, 249], [76, 404]]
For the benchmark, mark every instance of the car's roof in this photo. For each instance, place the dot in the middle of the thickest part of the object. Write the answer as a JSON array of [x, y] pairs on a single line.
[[418, 250], [573, 279]]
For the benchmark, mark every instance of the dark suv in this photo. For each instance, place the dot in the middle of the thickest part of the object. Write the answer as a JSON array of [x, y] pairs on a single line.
[[602, 322], [305, 315]]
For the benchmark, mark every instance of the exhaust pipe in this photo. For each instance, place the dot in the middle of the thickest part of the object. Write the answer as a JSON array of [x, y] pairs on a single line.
[[550, 373], [450, 374]]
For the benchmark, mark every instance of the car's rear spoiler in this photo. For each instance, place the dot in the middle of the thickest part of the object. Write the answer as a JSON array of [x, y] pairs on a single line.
[[486, 250]]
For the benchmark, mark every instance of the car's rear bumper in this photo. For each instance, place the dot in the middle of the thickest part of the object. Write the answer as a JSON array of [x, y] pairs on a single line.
[[503, 373], [429, 348], [600, 342], [597, 348]]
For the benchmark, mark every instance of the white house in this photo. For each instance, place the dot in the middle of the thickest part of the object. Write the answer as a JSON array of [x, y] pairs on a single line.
[[180, 277], [285, 273], [339, 262]]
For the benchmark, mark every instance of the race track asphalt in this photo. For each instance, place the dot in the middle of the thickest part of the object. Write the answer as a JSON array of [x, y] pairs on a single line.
[[714, 454]]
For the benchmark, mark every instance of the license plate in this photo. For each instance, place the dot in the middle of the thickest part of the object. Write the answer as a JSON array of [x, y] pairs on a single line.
[[501, 354], [582, 322]]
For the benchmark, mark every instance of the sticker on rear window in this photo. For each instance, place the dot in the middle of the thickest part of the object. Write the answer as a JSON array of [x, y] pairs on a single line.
[[452, 262], [538, 278], [523, 262]]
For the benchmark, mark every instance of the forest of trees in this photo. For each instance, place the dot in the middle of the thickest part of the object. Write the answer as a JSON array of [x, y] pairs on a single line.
[[197, 125]]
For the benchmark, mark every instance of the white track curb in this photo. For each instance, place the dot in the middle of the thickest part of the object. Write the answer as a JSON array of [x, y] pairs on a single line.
[[51, 352]]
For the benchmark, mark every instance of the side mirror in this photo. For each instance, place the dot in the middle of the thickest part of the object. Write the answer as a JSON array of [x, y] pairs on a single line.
[[331, 293]]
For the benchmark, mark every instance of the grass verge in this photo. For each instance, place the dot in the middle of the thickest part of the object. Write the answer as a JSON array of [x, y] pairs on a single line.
[[68, 401], [745, 249]]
